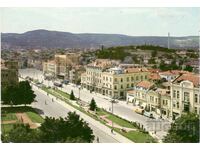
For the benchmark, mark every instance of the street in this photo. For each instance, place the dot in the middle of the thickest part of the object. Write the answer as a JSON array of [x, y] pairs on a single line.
[[57, 108], [121, 109]]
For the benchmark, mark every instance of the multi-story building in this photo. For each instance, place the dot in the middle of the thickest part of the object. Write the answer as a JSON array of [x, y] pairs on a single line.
[[151, 98], [61, 65], [185, 94], [112, 81], [75, 74], [92, 78], [9, 73]]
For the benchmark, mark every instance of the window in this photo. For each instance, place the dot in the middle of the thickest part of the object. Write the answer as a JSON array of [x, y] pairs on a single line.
[[121, 86], [121, 79], [196, 98], [178, 94], [132, 78], [115, 87], [195, 110], [145, 76], [174, 94], [174, 104], [131, 84], [177, 104], [136, 77], [141, 77], [186, 97], [115, 79], [127, 79], [127, 85], [143, 96]]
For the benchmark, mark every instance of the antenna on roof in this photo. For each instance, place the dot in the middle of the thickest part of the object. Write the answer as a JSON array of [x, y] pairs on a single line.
[[168, 42]]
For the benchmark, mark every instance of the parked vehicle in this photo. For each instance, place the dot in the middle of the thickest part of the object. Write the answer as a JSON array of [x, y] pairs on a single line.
[[65, 81], [139, 110], [148, 114], [58, 84]]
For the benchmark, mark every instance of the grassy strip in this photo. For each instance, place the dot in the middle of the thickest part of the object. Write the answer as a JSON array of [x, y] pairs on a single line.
[[35, 117], [120, 122], [8, 116], [137, 136]]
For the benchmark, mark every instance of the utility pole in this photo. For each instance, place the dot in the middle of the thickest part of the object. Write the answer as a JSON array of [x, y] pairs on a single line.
[[168, 43]]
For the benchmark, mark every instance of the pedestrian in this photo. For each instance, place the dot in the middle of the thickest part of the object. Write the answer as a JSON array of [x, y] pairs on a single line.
[[97, 139], [111, 130], [52, 99]]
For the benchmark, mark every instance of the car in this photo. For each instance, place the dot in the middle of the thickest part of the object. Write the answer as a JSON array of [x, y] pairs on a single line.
[[114, 101], [148, 114], [139, 110], [65, 81], [58, 84]]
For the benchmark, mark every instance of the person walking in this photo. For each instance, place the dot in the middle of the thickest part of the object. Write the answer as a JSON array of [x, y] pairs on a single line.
[[97, 139]]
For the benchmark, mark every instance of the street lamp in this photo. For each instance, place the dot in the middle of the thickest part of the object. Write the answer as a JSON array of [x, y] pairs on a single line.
[[79, 93]]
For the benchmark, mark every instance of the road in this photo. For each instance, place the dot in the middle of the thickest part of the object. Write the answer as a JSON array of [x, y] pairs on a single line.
[[55, 109], [121, 109]]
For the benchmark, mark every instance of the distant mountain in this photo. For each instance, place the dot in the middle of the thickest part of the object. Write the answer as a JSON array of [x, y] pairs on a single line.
[[44, 39]]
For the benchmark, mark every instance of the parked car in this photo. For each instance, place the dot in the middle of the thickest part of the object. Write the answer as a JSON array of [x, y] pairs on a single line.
[[148, 114], [65, 81], [139, 110], [58, 84]]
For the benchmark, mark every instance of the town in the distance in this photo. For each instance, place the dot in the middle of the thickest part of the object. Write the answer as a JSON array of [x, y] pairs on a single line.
[[119, 94]]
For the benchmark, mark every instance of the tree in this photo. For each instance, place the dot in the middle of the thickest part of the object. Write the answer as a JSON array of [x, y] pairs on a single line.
[[18, 94], [22, 134], [26, 93], [188, 68], [93, 105], [154, 53], [70, 129], [72, 97], [10, 95], [185, 129]]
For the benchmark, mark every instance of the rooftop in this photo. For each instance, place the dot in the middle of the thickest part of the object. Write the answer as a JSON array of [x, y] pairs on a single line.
[[145, 84], [194, 78]]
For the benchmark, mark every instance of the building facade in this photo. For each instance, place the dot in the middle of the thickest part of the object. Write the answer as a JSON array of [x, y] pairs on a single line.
[[61, 65], [185, 91], [112, 81]]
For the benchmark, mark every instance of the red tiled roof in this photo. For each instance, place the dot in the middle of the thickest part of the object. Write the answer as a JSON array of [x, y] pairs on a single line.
[[132, 70], [194, 78], [145, 84], [154, 76]]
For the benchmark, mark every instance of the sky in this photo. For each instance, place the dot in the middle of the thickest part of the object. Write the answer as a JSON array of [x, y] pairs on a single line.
[[129, 21]]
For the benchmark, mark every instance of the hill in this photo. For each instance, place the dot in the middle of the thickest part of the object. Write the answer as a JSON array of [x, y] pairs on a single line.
[[44, 39]]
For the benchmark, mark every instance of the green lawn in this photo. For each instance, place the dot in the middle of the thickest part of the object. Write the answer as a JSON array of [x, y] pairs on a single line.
[[8, 116], [100, 112], [137, 137], [5, 128], [120, 122], [62, 93], [35, 117]]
